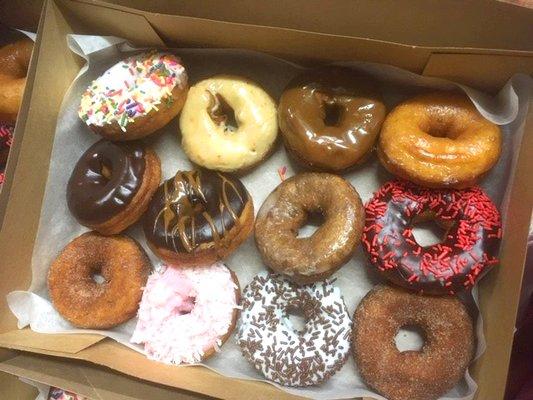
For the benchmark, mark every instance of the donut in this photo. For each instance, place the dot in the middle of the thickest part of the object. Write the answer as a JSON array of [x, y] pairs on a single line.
[[468, 250], [271, 343], [14, 63], [135, 97], [439, 140], [112, 185], [77, 295], [330, 118], [198, 217], [288, 207], [228, 123], [187, 314], [426, 374], [6, 139]]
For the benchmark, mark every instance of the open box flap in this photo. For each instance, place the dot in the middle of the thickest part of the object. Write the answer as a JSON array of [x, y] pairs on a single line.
[[29, 177]]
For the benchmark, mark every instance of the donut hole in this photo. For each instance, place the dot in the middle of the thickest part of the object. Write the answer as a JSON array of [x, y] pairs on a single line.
[[296, 319], [428, 231], [187, 305], [315, 219], [332, 113], [410, 338], [440, 128], [106, 169], [222, 113]]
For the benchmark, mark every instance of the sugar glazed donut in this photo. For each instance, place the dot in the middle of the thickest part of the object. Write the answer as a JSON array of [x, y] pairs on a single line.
[[112, 185], [14, 62], [80, 299], [280, 352], [135, 97], [439, 140], [469, 249], [287, 208], [426, 374], [187, 314], [228, 123], [198, 217], [330, 117]]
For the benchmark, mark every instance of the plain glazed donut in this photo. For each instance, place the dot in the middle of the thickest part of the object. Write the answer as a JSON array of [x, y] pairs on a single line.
[[439, 140], [112, 185], [330, 117], [426, 374], [80, 299], [187, 314], [14, 62], [228, 123], [287, 208], [469, 249], [135, 97], [198, 217], [280, 352]]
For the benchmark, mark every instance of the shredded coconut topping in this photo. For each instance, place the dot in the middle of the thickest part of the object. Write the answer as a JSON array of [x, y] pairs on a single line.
[[185, 312]]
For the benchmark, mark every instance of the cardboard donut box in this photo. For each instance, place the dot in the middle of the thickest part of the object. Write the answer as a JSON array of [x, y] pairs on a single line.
[[478, 43]]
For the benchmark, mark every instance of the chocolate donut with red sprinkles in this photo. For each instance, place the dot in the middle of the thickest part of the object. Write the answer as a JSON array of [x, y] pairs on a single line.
[[469, 248], [6, 138]]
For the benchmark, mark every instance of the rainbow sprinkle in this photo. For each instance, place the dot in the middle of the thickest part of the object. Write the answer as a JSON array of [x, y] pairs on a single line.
[[282, 171], [131, 88]]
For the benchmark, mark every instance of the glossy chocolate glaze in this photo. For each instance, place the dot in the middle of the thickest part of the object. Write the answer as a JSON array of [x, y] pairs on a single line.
[[105, 180], [192, 208], [330, 117], [467, 252]]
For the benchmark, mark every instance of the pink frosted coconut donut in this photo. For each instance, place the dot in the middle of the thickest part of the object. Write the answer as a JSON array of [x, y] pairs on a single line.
[[186, 314]]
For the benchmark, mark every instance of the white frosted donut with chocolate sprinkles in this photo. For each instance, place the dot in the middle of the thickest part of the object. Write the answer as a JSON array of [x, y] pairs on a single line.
[[282, 353]]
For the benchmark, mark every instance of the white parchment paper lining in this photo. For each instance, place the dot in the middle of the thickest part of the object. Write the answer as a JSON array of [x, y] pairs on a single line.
[[57, 227]]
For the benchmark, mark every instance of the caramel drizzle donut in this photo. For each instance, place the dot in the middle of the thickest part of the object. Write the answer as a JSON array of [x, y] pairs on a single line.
[[282, 354], [469, 249], [197, 210], [112, 184], [425, 374]]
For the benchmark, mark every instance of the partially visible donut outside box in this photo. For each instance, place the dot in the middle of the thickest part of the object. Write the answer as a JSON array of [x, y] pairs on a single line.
[[305, 31]]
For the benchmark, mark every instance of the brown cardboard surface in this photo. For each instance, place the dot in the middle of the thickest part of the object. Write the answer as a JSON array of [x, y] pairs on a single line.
[[52, 74]]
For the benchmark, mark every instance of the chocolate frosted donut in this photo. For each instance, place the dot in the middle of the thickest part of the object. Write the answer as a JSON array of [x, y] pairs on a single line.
[[198, 217], [112, 184], [469, 249], [425, 374], [287, 208], [330, 117]]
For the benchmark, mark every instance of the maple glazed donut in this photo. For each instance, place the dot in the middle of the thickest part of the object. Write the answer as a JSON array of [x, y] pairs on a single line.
[[14, 62], [112, 185], [228, 123], [425, 374], [439, 140], [135, 97], [330, 117], [468, 250], [198, 217], [276, 348], [287, 209], [82, 301]]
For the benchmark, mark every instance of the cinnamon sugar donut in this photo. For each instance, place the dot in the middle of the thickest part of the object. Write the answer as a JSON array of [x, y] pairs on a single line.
[[80, 299], [287, 208], [426, 374], [14, 62], [112, 185], [439, 140]]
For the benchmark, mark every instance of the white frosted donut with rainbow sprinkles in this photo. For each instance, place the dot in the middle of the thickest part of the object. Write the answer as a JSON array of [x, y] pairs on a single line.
[[186, 314], [136, 96]]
